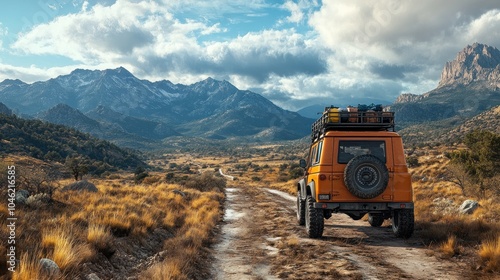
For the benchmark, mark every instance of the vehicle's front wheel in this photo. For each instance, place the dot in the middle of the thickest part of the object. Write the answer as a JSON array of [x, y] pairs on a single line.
[[301, 210], [315, 221], [375, 220], [403, 222]]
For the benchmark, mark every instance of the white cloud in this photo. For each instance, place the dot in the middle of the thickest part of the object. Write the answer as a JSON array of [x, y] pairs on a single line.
[[353, 48], [3, 32], [85, 5], [485, 29], [33, 73], [296, 13]]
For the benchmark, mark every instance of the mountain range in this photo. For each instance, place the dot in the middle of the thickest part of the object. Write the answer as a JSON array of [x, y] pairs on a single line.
[[115, 105]]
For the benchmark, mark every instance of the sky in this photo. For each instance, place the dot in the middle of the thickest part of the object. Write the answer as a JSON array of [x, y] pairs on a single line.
[[295, 52]]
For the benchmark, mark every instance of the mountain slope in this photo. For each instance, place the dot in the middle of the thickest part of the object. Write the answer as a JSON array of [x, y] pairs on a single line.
[[4, 109], [488, 120], [154, 110], [139, 127], [53, 142], [65, 115]]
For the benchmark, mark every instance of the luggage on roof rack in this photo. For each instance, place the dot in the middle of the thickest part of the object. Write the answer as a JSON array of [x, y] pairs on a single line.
[[363, 117]]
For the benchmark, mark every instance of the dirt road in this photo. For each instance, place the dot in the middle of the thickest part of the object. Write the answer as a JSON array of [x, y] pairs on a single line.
[[260, 239]]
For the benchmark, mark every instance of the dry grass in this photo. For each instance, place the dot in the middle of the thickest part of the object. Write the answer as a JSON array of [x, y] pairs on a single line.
[[78, 226], [29, 268], [450, 247], [438, 222], [490, 254], [99, 236], [67, 253]]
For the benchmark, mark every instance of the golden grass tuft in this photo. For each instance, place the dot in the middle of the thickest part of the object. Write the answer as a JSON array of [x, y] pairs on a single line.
[[99, 236], [64, 252], [450, 247], [29, 268], [490, 254]]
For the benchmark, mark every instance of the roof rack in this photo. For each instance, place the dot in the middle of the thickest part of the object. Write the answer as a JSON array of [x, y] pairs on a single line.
[[353, 119]]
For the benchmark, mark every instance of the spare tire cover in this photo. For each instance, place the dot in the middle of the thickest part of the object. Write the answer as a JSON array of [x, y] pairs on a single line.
[[366, 176]]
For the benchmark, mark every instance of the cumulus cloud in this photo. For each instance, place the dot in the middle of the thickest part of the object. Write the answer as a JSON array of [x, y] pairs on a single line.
[[147, 35], [295, 11], [397, 31], [350, 49]]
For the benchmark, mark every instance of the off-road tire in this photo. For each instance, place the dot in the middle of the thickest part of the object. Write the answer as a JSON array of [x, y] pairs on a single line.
[[403, 222], [375, 220], [301, 210], [314, 219], [366, 176]]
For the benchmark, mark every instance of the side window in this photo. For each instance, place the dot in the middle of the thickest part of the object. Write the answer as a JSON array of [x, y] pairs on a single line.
[[350, 149], [312, 156], [318, 154]]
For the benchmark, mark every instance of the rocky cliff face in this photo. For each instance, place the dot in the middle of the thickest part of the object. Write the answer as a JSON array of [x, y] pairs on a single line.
[[476, 63]]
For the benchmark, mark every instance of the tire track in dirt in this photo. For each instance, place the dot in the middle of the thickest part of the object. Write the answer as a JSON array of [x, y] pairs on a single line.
[[260, 239]]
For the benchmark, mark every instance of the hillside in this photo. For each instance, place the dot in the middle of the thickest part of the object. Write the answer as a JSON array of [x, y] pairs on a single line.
[[154, 110], [52, 142], [489, 120]]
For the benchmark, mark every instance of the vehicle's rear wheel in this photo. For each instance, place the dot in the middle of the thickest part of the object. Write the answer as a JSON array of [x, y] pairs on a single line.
[[314, 219], [403, 222], [375, 220], [301, 210]]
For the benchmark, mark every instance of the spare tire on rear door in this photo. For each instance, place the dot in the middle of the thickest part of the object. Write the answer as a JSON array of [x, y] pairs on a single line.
[[366, 176]]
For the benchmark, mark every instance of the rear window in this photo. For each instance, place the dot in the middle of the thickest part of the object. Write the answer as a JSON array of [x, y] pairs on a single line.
[[350, 149]]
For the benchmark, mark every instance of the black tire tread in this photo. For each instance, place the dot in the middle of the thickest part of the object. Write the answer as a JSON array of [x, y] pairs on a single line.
[[403, 223], [375, 220], [314, 219], [301, 210]]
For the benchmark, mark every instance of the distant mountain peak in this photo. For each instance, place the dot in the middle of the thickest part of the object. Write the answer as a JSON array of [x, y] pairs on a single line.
[[120, 72], [478, 62], [211, 85]]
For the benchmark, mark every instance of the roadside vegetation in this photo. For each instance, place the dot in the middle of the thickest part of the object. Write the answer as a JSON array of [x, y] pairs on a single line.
[[152, 228], [443, 179]]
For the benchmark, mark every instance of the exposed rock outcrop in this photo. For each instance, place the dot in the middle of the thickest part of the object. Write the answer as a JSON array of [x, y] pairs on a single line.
[[408, 97], [478, 62], [468, 206]]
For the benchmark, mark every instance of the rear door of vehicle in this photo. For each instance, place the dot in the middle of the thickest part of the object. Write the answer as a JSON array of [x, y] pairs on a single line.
[[346, 148]]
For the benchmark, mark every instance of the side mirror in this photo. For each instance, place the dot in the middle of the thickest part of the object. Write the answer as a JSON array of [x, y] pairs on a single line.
[[303, 163]]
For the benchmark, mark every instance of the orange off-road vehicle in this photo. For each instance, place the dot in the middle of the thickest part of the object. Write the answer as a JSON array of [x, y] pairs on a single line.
[[356, 165]]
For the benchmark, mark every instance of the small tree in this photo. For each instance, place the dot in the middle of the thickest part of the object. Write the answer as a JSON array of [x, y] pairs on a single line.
[[37, 180], [140, 173], [77, 165], [481, 161]]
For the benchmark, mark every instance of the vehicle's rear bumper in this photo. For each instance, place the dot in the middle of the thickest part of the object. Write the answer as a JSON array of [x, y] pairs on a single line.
[[361, 206]]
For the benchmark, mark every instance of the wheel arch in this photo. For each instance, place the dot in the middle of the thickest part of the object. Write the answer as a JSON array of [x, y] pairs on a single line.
[[311, 190]]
